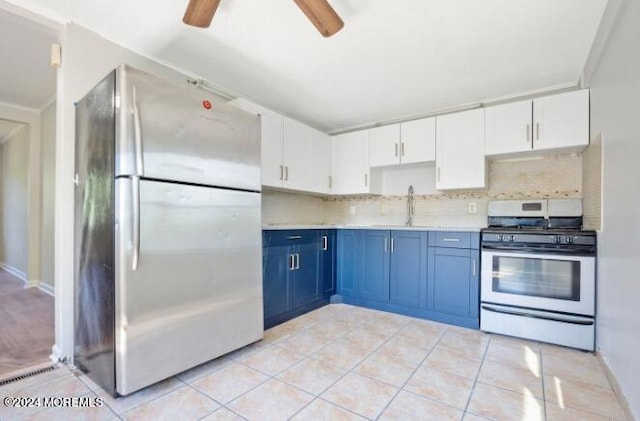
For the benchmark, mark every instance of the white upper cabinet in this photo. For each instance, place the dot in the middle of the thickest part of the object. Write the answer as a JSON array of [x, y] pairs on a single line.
[[271, 142], [404, 143], [556, 122], [561, 121], [298, 156], [384, 145], [460, 161], [294, 156], [320, 178], [350, 163], [508, 128], [418, 141]]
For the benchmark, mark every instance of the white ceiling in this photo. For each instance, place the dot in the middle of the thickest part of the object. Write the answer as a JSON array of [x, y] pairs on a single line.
[[26, 79], [392, 59]]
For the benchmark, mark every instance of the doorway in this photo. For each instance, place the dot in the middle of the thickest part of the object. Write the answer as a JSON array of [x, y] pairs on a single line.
[[27, 172]]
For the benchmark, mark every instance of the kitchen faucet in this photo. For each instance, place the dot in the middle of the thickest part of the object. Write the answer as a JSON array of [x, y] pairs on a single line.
[[409, 220]]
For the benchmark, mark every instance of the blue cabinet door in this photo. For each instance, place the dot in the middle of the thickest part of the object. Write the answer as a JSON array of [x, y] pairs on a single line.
[[453, 281], [408, 268], [328, 271], [276, 285], [307, 285], [348, 262], [374, 265]]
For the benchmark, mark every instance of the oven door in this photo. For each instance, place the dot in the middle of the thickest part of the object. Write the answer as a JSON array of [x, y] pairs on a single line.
[[550, 282]]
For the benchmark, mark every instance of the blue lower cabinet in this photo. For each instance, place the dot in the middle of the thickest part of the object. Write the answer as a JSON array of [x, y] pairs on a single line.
[[307, 283], [328, 261], [348, 262], [276, 288], [374, 265], [453, 285], [408, 269], [292, 274], [407, 272]]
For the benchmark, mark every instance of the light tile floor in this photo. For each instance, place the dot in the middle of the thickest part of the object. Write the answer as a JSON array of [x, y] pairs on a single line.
[[348, 363]]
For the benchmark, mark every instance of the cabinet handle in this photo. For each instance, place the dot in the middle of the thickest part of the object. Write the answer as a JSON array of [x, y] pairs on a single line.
[[537, 131], [402, 149], [386, 244], [325, 242], [366, 180], [330, 182], [528, 130], [392, 245], [297, 261], [438, 174], [281, 172], [473, 267], [396, 145], [292, 265], [286, 173], [451, 240], [294, 237]]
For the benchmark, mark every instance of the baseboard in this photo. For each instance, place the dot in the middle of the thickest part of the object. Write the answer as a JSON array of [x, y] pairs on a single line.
[[616, 386], [15, 272], [31, 284], [46, 288]]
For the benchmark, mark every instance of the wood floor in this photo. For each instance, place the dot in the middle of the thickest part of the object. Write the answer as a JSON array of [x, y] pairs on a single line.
[[26, 325]]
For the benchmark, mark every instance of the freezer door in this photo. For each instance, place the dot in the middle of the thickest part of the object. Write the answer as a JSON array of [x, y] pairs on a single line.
[[181, 133], [196, 292]]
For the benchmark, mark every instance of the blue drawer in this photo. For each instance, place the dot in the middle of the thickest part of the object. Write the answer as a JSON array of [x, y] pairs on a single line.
[[277, 238], [453, 239]]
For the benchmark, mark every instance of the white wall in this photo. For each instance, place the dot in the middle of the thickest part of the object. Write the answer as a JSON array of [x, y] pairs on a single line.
[[48, 150], [14, 160], [32, 119], [87, 59], [615, 111]]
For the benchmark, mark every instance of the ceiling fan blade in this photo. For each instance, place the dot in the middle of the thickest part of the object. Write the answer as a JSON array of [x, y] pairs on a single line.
[[200, 12], [322, 15]]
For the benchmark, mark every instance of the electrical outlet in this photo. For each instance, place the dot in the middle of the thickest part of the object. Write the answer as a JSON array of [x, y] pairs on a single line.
[[352, 210], [472, 207], [384, 209]]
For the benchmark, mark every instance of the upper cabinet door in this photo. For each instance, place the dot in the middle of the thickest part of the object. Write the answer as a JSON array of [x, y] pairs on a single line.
[[508, 128], [320, 179], [418, 141], [298, 159], [460, 162], [384, 145], [561, 121], [350, 163], [271, 144]]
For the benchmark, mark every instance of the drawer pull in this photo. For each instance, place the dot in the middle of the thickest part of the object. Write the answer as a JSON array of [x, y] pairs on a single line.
[[294, 237], [451, 240]]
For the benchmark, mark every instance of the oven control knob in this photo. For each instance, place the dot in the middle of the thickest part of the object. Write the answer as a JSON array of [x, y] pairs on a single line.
[[500, 237], [513, 237], [558, 239], [568, 240]]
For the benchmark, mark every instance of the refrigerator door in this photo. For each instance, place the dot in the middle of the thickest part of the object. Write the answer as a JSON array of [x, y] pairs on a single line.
[[196, 293], [180, 133], [94, 301]]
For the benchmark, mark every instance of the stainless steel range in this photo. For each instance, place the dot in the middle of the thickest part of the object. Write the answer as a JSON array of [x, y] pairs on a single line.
[[538, 278]]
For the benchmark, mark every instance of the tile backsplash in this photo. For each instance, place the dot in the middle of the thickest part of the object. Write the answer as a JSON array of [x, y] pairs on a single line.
[[549, 176]]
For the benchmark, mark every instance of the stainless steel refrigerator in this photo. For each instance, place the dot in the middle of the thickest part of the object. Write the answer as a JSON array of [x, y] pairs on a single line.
[[167, 230]]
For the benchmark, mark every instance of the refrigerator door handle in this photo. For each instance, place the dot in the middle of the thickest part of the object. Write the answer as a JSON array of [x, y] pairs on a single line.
[[137, 133], [135, 193]]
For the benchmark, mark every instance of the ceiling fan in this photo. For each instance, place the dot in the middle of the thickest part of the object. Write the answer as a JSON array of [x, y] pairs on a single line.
[[200, 13]]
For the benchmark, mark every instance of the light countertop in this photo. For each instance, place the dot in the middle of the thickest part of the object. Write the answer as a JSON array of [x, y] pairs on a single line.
[[371, 227]]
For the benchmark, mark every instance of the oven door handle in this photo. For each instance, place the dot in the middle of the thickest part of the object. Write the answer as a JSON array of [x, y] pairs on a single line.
[[569, 251], [537, 316]]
